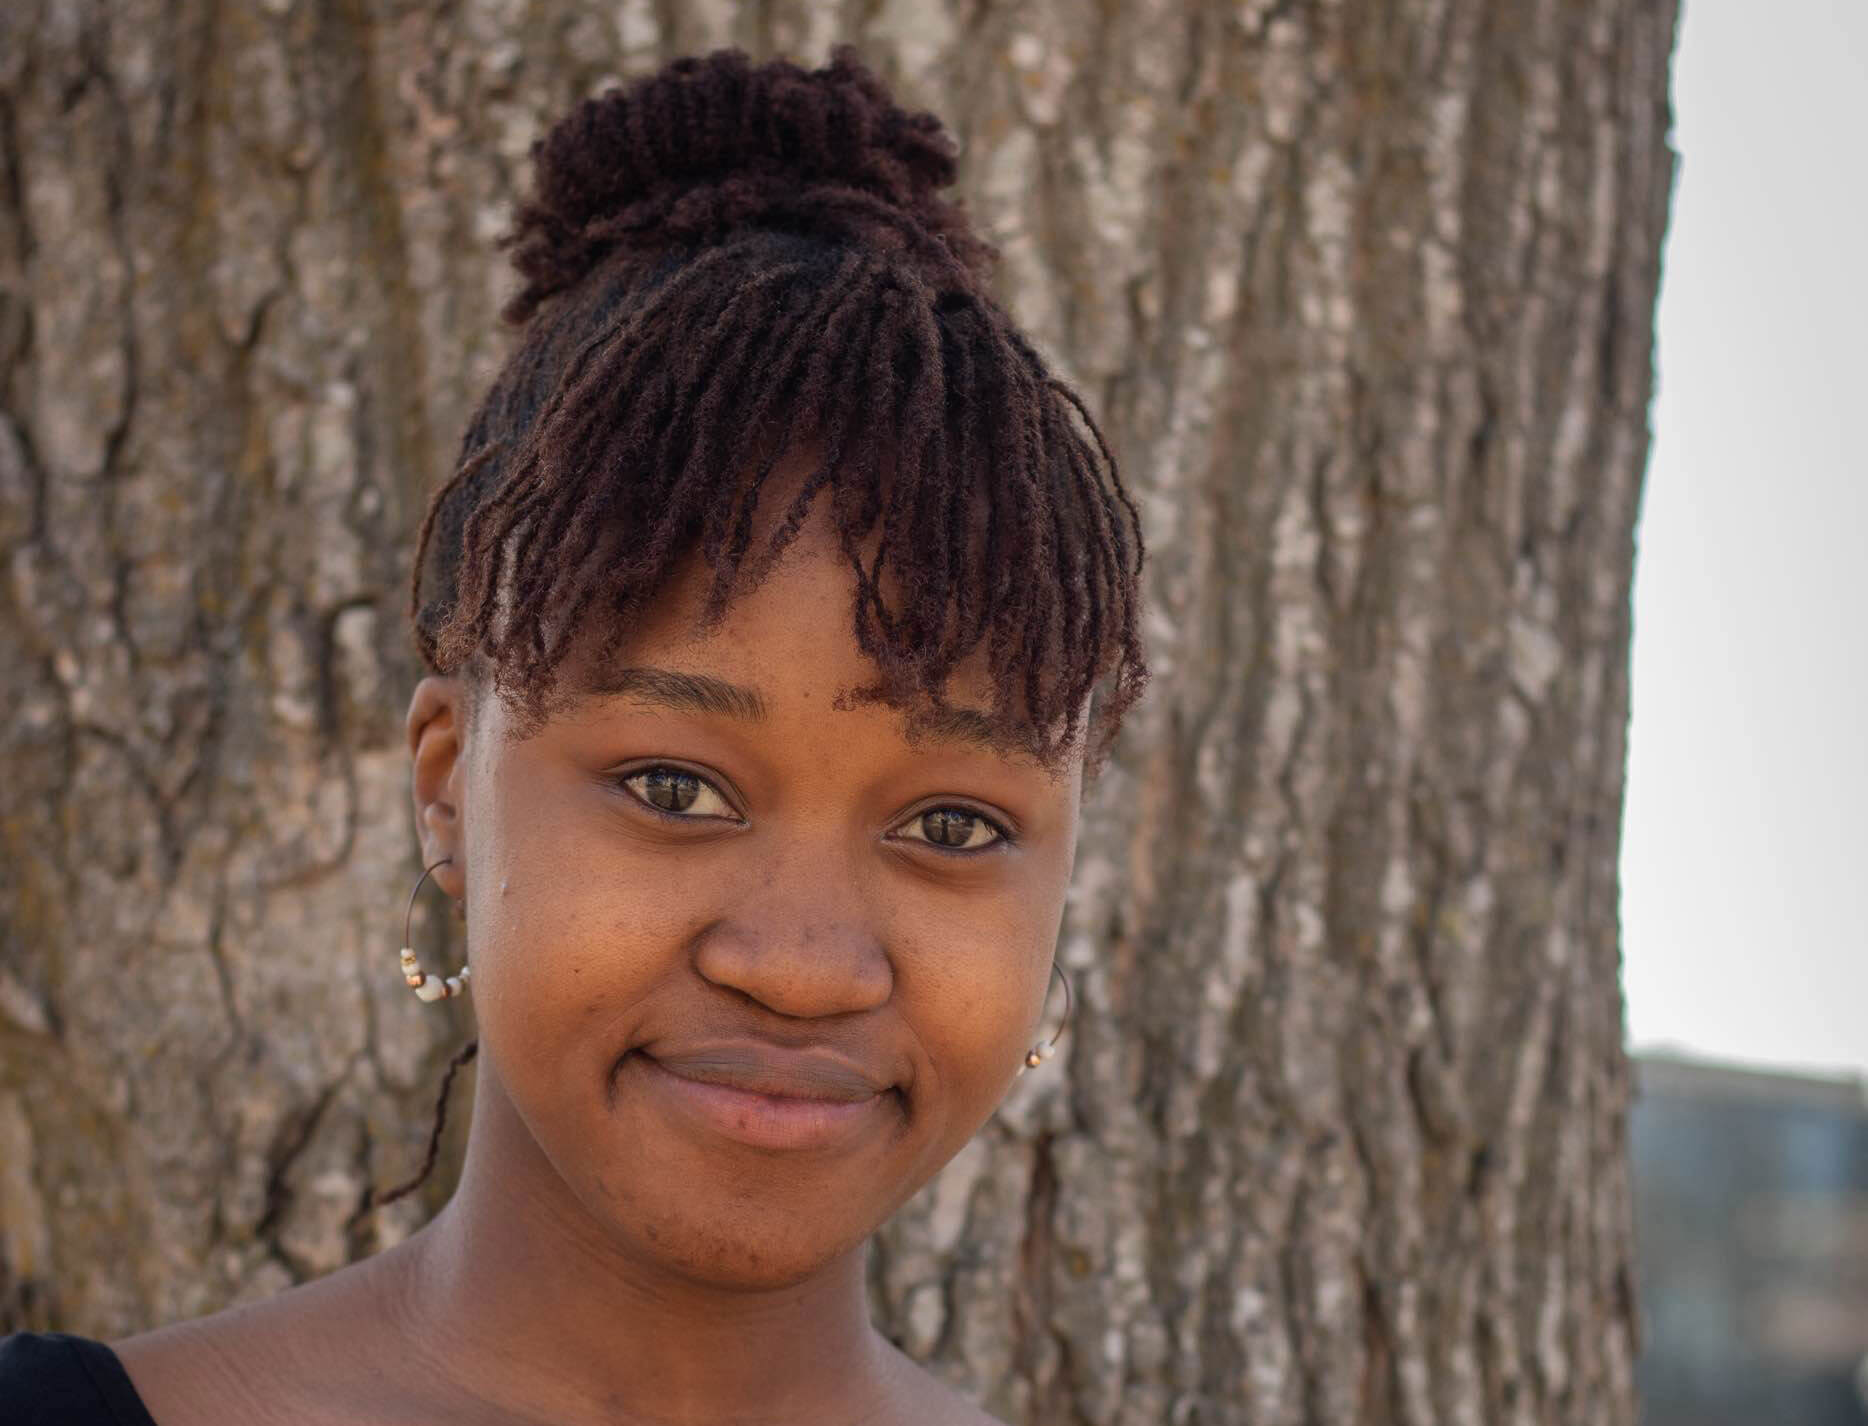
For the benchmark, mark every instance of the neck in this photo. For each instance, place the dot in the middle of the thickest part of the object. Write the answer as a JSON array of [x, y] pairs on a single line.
[[518, 1295]]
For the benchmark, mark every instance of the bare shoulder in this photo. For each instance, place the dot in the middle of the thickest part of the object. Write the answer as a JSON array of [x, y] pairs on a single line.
[[199, 1371], [932, 1402], [261, 1364]]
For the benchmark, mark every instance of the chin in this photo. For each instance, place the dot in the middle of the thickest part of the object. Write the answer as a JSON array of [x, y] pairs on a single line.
[[732, 1249]]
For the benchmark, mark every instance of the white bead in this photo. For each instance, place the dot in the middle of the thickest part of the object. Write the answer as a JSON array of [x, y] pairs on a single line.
[[431, 989], [454, 985]]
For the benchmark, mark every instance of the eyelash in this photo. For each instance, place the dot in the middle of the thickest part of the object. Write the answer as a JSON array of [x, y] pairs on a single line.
[[1003, 837]]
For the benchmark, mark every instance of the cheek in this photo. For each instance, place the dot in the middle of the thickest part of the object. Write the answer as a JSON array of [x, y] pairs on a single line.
[[563, 956], [975, 993], [560, 942]]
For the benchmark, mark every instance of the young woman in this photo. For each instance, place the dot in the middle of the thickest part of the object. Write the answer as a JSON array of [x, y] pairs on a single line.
[[776, 612]]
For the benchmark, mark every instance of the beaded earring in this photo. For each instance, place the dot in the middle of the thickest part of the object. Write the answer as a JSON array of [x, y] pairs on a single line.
[[1038, 1054], [428, 987]]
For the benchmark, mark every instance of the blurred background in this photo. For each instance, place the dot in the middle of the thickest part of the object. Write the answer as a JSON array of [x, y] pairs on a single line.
[[1743, 846]]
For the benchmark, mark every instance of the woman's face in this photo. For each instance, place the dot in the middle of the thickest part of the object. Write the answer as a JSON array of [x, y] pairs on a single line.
[[748, 969]]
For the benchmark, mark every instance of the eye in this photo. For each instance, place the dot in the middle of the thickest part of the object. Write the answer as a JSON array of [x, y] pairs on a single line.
[[676, 792], [957, 829]]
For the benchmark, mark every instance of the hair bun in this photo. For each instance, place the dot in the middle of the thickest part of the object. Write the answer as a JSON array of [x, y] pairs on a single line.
[[707, 145]]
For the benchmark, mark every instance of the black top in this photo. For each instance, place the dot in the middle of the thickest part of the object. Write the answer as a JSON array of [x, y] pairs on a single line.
[[56, 1379]]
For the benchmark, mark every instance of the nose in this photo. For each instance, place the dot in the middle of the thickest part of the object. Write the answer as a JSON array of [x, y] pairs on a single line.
[[801, 945]]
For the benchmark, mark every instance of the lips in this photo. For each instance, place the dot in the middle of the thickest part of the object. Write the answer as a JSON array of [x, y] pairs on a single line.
[[770, 1070], [765, 1095]]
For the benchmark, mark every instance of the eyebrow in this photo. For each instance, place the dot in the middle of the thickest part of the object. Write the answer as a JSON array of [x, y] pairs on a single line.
[[703, 693], [684, 692]]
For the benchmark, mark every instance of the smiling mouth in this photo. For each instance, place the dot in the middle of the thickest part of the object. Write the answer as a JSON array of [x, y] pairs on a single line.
[[767, 1098]]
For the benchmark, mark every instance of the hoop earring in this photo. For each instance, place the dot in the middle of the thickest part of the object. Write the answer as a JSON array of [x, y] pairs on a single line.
[[428, 987], [1038, 1054]]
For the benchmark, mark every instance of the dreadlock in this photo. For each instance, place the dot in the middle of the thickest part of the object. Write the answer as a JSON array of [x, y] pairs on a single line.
[[723, 262], [726, 262]]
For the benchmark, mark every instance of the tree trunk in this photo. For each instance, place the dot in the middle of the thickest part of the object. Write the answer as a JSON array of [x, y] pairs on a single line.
[[1363, 294]]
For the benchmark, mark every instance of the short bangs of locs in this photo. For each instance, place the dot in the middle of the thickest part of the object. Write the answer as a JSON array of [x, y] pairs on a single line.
[[724, 262]]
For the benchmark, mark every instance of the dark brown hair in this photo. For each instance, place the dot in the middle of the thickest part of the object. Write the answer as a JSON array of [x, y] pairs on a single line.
[[724, 262]]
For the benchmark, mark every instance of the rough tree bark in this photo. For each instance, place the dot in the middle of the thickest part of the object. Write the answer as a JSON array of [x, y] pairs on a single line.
[[1363, 291]]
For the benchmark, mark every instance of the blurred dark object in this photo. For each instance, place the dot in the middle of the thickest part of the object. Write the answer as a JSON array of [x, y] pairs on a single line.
[[1751, 1238]]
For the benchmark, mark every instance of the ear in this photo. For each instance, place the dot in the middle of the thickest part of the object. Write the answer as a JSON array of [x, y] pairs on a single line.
[[437, 730]]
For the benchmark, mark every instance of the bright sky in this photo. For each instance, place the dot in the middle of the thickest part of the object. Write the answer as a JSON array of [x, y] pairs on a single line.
[[1744, 854]]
